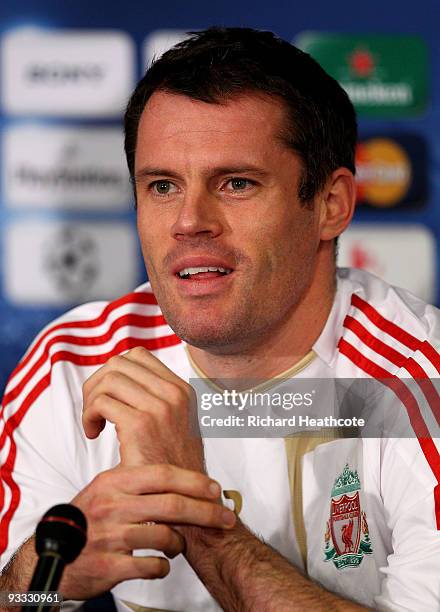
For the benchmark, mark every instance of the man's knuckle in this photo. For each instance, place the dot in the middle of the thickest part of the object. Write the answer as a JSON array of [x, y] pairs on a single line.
[[126, 536], [111, 377], [158, 567], [138, 351], [100, 509], [100, 536], [165, 410], [163, 472], [177, 395], [103, 482], [172, 505], [114, 361], [97, 403]]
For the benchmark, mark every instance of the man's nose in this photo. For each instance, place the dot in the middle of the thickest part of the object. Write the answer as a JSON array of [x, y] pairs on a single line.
[[199, 215]]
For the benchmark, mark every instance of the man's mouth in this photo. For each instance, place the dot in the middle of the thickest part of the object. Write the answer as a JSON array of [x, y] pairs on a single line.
[[203, 275], [202, 272]]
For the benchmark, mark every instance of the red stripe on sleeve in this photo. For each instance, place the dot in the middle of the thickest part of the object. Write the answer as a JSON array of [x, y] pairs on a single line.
[[387, 326], [397, 332], [426, 385], [431, 354], [426, 443], [8, 466], [374, 343], [125, 320], [413, 368], [131, 298], [14, 420]]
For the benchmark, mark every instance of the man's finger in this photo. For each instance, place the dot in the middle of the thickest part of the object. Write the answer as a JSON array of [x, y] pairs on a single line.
[[138, 356], [127, 567], [163, 478], [175, 508], [124, 388], [158, 537], [151, 381], [105, 408], [143, 357], [129, 421]]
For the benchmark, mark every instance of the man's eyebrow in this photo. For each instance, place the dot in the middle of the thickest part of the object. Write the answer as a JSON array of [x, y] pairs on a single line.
[[147, 172], [239, 170], [219, 171]]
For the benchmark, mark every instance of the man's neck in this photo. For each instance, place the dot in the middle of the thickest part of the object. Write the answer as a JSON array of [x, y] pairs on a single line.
[[280, 349]]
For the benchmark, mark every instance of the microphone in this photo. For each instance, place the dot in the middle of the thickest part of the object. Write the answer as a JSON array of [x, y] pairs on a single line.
[[61, 535]]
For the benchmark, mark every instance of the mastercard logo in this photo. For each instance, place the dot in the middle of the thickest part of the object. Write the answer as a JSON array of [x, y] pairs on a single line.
[[383, 172]]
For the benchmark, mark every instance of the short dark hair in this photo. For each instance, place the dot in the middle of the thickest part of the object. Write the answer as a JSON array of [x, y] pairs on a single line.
[[217, 64]]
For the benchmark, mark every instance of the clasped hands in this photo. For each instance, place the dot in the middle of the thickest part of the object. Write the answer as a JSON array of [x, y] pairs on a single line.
[[159, 484]]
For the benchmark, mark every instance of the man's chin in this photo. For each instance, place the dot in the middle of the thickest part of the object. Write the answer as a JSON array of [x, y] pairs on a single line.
[[203, 338], [211, 325], [214, 337]]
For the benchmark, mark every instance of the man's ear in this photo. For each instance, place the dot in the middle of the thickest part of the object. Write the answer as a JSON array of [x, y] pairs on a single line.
[[337, 202]]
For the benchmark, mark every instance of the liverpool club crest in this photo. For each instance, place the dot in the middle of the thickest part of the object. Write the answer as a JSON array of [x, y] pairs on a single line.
[[347, 538]]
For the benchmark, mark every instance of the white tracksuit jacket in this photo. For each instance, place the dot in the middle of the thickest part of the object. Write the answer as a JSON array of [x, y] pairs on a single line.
[[360, 515]]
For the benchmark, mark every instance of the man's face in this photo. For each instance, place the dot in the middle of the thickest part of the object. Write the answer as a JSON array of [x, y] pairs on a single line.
[[217, 188]]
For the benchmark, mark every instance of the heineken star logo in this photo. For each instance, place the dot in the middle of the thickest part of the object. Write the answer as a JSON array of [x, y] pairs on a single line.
[[361, 62], [384, 75]]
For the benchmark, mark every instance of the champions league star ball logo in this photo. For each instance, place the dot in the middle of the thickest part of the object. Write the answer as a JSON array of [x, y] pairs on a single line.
[[71, 261], [347, 537]]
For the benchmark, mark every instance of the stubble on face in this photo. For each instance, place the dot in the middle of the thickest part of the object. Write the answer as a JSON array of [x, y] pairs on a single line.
[[249, 316], [201, 323]]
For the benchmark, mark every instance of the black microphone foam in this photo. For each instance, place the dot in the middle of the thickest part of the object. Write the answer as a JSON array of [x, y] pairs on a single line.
[[60, 536], [62, 530]]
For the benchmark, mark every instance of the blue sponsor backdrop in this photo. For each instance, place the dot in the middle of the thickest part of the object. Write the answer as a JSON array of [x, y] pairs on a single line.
[[20, 321]]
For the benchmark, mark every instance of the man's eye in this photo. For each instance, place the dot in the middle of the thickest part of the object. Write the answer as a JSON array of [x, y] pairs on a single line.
[[163, 187], [239, 184]]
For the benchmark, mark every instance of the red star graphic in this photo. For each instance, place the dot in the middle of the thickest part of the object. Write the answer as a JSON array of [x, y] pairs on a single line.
[[361, 63]]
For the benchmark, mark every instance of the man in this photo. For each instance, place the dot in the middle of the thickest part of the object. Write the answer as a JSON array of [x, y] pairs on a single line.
[[241, 150]]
